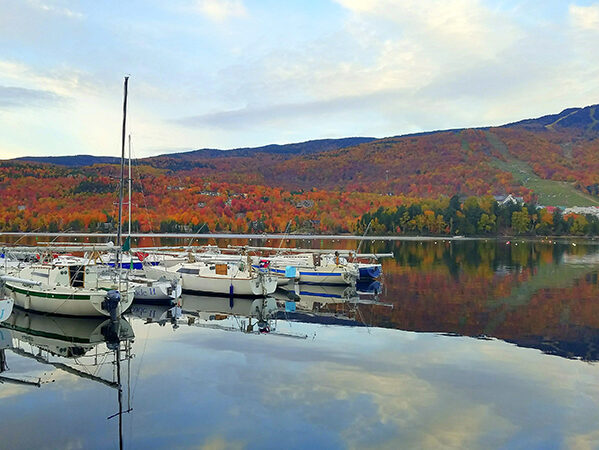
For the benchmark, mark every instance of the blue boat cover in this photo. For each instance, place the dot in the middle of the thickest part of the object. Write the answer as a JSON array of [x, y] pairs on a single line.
[[289, 306]]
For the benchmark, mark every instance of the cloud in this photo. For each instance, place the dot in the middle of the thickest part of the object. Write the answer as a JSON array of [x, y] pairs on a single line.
[[222, 10], [53, 9], [11, 96], [585, 17], [65, 81], [467, 25], [260, 115], [388, 66], [293, 72]]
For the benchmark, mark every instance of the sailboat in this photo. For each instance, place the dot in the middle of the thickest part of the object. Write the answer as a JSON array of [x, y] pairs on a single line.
[[70, 286], [311, 268], [224, 278]]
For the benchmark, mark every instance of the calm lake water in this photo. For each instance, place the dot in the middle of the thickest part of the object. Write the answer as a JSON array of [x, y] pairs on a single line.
[[464, 344]]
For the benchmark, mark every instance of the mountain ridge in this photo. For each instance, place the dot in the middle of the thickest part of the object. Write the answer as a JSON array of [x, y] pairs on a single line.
[[295, 148], [574, 118]]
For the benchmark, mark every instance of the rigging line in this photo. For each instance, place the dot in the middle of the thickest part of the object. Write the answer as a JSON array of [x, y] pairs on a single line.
[[285, 233], [191, 240], [362, 240], [140, 364], [17, 241], [143, 195], [362, 318]]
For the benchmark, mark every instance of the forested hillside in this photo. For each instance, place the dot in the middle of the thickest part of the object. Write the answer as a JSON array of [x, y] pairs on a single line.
[[322, 186]]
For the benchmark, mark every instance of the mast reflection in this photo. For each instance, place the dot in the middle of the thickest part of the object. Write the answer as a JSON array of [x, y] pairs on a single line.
[[89, 348]]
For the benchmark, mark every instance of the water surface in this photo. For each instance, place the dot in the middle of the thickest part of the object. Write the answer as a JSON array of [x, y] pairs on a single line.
[[468, 344]]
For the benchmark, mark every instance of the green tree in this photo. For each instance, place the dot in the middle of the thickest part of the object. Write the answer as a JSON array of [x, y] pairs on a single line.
[[520, 221], [486, 224], [580, 225]]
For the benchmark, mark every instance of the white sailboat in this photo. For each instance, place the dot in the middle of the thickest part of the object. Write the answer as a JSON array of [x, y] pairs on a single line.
[[69, 286], [226, 278], [311, 268]]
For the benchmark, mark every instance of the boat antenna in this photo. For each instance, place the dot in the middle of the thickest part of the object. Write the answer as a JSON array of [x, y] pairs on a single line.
[[120, 227]]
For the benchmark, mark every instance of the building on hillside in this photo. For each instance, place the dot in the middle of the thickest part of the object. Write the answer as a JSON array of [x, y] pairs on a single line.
[[590, 210], [305, 204], [510, 198]]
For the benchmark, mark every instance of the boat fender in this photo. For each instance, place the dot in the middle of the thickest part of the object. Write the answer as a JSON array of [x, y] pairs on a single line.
[[231, 296]]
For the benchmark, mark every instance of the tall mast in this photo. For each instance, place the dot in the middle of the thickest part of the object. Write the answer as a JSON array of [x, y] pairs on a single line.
[[129, 203], [120, 228]]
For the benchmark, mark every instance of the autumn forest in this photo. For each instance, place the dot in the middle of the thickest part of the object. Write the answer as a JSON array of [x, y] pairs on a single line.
[[438, 183]]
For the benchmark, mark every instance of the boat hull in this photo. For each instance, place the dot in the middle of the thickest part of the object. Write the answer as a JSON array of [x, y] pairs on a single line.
[[370, 271], [247, 286], [227, 286], [63, 302], [317, 275], [159, 292]]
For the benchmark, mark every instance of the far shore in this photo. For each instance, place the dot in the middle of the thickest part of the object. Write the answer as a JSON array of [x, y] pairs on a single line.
[[298, 236]]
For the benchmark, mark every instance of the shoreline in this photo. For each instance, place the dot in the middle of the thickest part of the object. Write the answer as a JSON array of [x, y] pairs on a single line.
[[300, 236]]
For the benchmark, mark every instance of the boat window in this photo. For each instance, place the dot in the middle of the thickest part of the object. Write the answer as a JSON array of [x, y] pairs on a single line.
[[76, 276], [40, 274], [189, 271]]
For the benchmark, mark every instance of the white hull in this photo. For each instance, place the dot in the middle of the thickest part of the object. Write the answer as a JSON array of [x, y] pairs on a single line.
[[157, 291], [235, 286], [319, 275], [64, 301], [306, 268], [239, 284]]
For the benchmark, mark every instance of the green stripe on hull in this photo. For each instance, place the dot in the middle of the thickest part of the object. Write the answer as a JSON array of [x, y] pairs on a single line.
[[48, 294]]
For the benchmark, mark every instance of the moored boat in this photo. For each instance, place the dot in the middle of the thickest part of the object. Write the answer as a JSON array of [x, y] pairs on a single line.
[[311, 268], [156, 291], [67, 288], [227, 278]]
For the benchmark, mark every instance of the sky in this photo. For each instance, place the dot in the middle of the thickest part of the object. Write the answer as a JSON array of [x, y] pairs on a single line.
[[241, 73]]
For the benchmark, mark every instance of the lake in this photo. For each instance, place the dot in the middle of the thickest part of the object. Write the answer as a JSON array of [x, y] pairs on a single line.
[[462, 344]]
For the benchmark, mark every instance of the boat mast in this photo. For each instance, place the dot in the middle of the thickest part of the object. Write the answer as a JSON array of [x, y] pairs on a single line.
[[120, 227], [129, 203]]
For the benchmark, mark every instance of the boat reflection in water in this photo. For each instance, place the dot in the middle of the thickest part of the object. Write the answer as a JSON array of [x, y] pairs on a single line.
[[76, 345], [155, 313], [328, 304], [6, 305], [233, 314]]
